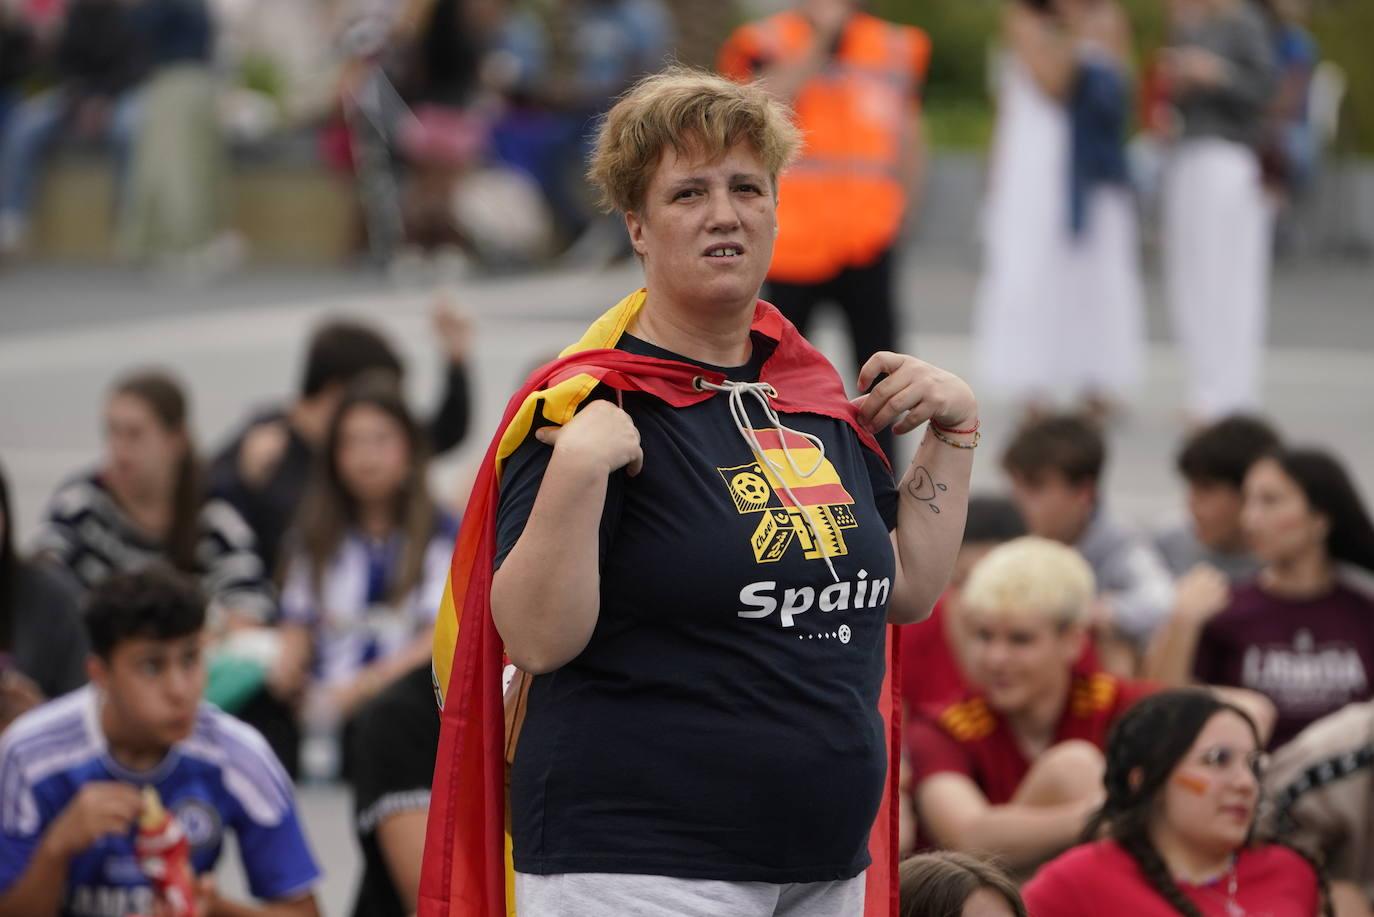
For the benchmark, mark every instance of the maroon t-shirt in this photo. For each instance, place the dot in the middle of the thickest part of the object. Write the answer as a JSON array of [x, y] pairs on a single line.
[[1310, 657]]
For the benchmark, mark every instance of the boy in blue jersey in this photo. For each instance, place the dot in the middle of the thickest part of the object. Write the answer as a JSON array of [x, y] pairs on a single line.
[[72, 771]]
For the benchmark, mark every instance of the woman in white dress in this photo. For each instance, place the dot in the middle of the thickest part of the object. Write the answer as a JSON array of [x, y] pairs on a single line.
[[1059, 305]]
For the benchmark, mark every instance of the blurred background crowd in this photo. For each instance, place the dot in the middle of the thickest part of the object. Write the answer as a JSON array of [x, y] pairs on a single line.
[[162, 131], [1071, 145]]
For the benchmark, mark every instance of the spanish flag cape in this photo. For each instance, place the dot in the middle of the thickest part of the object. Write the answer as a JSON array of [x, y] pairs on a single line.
[[467, 869]]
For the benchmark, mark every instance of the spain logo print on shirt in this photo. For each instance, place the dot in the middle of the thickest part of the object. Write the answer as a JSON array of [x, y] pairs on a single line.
[[786, 500]]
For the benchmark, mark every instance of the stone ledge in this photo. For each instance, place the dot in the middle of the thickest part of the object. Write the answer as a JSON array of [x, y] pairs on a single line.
[[286, 211]]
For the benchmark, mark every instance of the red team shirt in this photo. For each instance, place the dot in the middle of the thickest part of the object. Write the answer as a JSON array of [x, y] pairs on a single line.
[[1271, 881], [968, 737], [930, 672]]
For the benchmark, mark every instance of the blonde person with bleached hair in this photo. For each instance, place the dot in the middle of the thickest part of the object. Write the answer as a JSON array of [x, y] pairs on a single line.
[[1013, 768], [698, 551], [1032, 577]]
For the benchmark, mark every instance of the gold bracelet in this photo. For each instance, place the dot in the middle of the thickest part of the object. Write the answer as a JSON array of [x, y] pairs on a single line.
[[955, 443]]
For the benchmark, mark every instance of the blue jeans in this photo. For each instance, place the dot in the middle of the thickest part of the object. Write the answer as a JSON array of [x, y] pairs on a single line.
[[32, 127]]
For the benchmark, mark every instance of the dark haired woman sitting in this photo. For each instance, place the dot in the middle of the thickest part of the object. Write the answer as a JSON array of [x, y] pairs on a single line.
[[1183, 782]]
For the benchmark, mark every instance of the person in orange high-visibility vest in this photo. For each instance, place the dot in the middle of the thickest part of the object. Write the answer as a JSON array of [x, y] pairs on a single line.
[[854, 83]]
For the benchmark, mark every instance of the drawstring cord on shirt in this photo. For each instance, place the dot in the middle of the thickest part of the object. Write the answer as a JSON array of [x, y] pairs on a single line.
[[762, 391]]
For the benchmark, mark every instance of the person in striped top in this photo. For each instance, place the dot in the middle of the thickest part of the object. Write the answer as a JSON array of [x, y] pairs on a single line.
[[143, 503]]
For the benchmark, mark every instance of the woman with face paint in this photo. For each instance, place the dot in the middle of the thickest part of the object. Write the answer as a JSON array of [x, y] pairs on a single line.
[[1183, 782]]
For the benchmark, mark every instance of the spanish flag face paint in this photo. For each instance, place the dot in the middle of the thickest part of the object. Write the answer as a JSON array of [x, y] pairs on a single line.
[[1193, 783]]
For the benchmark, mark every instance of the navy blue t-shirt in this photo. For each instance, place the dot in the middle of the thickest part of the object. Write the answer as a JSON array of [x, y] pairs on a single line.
[[722, 722]]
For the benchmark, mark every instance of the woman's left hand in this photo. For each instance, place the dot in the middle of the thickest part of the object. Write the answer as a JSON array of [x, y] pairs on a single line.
[[915, 389]]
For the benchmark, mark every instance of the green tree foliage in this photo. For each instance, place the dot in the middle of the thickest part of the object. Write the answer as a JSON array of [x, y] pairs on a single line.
[[957, 99], [1345, 32]]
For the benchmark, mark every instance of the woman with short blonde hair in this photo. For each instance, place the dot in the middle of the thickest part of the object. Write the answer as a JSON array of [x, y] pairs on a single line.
[[680, 108], [698, 549]]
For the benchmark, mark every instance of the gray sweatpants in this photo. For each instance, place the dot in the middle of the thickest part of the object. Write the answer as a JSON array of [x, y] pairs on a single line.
[[595, 894]]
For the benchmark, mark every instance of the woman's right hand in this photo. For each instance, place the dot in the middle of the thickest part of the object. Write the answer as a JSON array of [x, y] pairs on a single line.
[[1201, 593], [601, 437]]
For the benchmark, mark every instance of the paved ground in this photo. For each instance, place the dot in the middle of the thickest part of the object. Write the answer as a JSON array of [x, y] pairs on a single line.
[[65, 332]]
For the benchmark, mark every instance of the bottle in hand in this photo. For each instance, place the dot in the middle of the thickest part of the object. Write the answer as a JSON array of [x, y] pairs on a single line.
[[164, 854]]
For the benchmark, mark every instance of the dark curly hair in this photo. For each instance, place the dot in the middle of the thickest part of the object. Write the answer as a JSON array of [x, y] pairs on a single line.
[[157, 603], [1149, 741]]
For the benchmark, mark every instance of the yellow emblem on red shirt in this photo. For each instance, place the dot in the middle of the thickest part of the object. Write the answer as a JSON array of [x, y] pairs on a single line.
[[969, 720], [1094, 694]]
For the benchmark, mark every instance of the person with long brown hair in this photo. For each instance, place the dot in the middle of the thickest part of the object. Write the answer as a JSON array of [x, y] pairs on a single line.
[[1182, 785], [370, 554], [1300, 632], [144, 503]]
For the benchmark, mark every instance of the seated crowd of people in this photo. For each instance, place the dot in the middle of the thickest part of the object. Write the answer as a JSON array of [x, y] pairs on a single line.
[[1088, 711], [481, 110], [1102, 706], [182, 623]]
